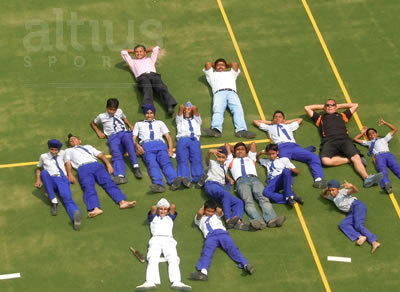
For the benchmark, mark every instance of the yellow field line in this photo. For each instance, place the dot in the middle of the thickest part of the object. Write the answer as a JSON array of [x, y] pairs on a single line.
[[340, 81], [312, 247], [241, 60], [109, 156], [299, 214]]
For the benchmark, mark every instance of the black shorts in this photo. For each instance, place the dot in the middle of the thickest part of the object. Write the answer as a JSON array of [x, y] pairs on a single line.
[[338, 147]]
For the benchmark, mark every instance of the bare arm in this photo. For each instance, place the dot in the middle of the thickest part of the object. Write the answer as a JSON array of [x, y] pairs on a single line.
[[170, 144], [70, 176], [295, 170], [229, 148], [298, 120], [219, 212], [352, 188], [99, 133], [200, 213], [310, 109], [352, 106], [181, 108], [234, 66], [325, 193], [130, 51], [195, 111], [139, 148], [258, 123], [208, 65], [358, 137], [38, 183], [153, 209], [208, 156], [103, 158], [253, 147], [391, 127], [128, 123], [262, 152], [172, 209]]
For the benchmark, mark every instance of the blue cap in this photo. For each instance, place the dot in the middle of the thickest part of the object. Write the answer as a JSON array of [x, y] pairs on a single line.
[[149, 107], [54, 143], [189, 104], [333, 183], [222, 149]]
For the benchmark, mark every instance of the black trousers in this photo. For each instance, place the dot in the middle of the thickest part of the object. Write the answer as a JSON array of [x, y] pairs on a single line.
[[151, 83]]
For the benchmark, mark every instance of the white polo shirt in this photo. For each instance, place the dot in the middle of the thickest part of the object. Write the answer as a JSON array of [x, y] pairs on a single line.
[[142, 130], [48, 163], [275, 169], [277, 135], [183, 129], [249, 165], [161, 226], [381, 144], [216, 172], [343, 200], [221, 80], [111, 125], [215, 223], [79, 156]]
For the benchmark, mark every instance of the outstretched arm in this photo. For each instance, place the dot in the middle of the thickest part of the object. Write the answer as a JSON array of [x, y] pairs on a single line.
[[170, 144], [103, 158], [99, 133], [128, 123], [392, 128], [70, 176], [38, 183]]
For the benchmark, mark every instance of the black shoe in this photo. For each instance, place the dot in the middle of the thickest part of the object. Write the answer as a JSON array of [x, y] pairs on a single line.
[[298, 199], [249, 268], [171, 109], [232, 222], [77, 220], [137, 172], [201, 181], [156, 188], [276, 222], [120, 180], [198, 276], [176, 184], [53, 209], [245, 134], [321, 184], [212, 132], [388, 188], [291, 201], [186, 182]]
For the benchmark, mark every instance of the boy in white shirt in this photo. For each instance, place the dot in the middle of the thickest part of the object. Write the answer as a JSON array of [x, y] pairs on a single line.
[[161, 218], [280, 172], [208, 219], [379, 147], [119, 139]]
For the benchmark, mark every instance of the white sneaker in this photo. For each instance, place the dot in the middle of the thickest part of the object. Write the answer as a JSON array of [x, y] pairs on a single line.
[[146, 286], [180, 286]]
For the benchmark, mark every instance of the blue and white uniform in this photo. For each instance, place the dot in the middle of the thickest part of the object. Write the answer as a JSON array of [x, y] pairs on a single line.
[[216, 235], [353, 225], [54, 180], [214, 187], [282, 134], [155, 156], [383, 157], [188, 147], [83, 159], [279, 177], [119, 140]]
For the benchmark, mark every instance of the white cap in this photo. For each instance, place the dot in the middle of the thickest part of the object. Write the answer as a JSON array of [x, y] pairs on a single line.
[[163, 202]]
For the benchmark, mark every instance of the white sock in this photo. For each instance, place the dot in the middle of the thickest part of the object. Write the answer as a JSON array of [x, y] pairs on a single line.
[[204, 271], [135, 165], [318, 179], [54, 201]]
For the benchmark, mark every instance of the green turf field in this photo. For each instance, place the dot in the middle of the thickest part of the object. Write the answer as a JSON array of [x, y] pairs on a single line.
[[61, 61]]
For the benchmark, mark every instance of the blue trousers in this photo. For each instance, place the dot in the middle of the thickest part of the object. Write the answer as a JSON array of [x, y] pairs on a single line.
[[229, 99], [156, 157], [189, 150], [94, 172], [231, 205], [215, 239], [61, 185], [385, 161], [250, 187], [283, 181], [119, 143], [296, 152], [353, 225]]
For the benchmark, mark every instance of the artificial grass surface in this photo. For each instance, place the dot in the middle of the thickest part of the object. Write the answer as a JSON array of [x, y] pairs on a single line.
[[288, 69]]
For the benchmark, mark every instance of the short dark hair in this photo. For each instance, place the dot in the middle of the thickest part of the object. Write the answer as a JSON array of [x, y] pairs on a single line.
[[239, 144], [210, 204], [112, 103], [139, 46], [271, 146], [278, 112], [71, 135], [220, 60], [371, 129]]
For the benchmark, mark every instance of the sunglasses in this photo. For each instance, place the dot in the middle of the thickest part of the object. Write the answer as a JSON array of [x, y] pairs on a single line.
[[330, 104]]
